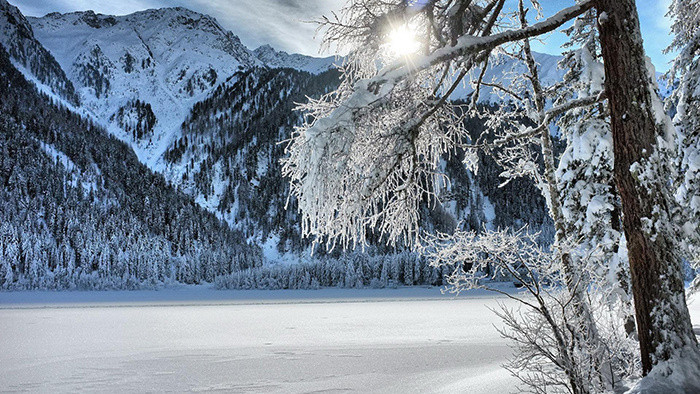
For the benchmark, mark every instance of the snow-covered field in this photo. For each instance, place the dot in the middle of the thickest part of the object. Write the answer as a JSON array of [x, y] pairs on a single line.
[[195, 339]]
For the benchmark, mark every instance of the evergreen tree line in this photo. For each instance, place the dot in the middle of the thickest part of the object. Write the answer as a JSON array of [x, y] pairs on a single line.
[[352, 270]]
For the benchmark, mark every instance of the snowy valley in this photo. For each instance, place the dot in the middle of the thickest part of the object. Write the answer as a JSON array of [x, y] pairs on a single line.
[[436, 208]]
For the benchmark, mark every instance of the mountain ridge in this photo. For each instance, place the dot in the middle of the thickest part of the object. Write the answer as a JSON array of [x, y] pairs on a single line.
[[17, 36], [281, 59], [167, 58], [78, 210]]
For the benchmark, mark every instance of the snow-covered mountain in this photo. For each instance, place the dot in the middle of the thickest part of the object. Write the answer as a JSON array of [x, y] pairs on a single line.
[[141, 74], [79, 210], [167, 59], [229, 154], [280, 59]]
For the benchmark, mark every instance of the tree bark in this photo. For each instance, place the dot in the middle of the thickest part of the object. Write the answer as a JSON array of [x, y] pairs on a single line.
[[663, 321]]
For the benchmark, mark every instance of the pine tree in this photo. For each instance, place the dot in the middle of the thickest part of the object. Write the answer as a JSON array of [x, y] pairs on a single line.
[[641, 136], [686, 99]]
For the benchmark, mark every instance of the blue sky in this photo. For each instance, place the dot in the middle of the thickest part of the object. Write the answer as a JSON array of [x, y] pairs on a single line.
[[656, 29], [280, 23]]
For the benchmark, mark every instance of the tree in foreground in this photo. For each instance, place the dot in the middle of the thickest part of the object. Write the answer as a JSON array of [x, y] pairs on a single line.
[[686, 99], [369, 155]]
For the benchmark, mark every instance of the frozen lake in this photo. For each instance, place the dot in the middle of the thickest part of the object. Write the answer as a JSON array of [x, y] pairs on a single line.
[[405, 340]]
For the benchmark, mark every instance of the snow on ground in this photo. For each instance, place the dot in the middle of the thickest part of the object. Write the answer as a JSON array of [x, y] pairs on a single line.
[[198, 339], [258, 341]]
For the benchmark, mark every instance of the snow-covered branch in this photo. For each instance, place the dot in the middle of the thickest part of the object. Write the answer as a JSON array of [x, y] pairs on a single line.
[[370, 91], [550, 116], [393, 121]]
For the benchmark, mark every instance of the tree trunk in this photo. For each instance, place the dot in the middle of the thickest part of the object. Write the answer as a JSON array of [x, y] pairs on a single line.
[[663, 322]]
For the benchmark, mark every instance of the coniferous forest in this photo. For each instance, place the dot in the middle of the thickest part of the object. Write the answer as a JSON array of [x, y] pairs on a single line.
[[79, 210]]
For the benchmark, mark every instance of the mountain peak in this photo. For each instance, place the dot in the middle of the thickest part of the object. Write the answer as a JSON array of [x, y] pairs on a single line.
[[169, 13], [164, 60], [97, 21], [172, 17], [264, 49], [281, 59], [159, 31]]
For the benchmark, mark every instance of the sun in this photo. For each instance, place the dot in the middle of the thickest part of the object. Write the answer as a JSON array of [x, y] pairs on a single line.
[[402, 41]]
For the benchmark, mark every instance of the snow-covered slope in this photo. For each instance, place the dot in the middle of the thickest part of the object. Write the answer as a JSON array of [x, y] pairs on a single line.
[[500, 70], [167, 59], [151, 65], [280, 59], [68, 177], [229, 152], [17, 36]]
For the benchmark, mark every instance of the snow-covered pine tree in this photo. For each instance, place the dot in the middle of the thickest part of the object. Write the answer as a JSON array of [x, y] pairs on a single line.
[[590, 201], [10, 254], [686, 99], [643, 143]]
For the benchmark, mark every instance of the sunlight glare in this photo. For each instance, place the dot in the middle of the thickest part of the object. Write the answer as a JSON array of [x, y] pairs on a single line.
[[402, 41]]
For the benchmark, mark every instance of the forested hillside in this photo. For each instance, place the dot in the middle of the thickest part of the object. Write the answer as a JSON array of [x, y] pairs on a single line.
[[231, 144], [79, 210], [229, 154]]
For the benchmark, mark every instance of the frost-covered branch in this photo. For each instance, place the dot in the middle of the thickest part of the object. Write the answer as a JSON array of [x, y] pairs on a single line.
[[370, 91], [550, 116], [546, 329]]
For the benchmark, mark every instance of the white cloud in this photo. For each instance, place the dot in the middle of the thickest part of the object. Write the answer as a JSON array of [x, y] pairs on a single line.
[[281, 23]]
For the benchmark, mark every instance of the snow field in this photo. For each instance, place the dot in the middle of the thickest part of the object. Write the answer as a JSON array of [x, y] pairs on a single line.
[[197, 339], [341, 344]]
